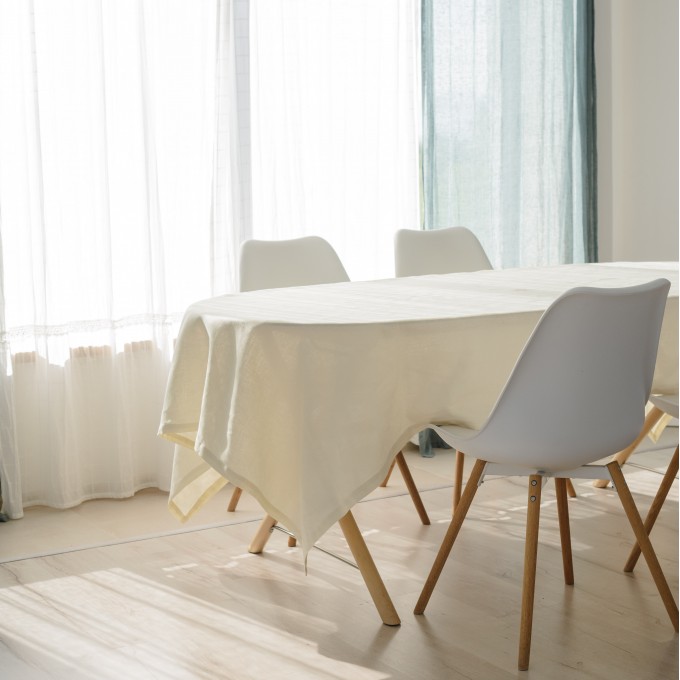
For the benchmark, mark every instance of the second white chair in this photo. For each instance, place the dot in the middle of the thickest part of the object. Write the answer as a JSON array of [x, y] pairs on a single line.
[[438, 251], [418, 252]]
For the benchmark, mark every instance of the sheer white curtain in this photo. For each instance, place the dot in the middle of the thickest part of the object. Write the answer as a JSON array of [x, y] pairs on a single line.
[[335, 124], [125, 180], [120, 204]]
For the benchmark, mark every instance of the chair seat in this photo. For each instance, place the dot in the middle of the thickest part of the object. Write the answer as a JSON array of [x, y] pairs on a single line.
[[668, 403]]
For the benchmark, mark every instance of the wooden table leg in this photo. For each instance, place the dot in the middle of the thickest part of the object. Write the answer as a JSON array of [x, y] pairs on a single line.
[[235, 496], [412, 488], [363, 558], [389, 472], [262, 536], [374, 583]]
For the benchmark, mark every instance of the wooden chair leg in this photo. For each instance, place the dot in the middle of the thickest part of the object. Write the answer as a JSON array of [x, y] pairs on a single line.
[[412, 489], [561, 489], [389, 472], [458, 478], [622, 456], [654, 509], [570, 488], [235, 496], [374, 583], [451, 534], [529, 583], [262, 536], [643, 541]]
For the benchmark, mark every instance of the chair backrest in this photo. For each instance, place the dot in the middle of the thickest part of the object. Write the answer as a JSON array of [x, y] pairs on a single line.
[[302, 261], [438, 251], [578, 390]]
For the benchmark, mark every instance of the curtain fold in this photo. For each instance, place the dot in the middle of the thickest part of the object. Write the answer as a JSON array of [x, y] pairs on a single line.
[[10, 474], [117, 158], [509, 126], [586, 105]]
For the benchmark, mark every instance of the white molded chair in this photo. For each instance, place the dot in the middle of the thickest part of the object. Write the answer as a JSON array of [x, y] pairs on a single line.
[[576, 394], [305, 261], [442, 251], [438, 251]]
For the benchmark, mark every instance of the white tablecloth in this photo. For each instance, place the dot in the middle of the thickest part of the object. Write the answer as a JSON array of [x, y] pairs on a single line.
[[303, 396]]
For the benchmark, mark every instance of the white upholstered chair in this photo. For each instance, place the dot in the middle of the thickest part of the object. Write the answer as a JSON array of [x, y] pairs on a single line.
[[305, 261], [577, 394]]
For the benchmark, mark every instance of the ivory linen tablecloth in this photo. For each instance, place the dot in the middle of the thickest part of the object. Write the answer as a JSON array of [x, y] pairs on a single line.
[[303, 396]]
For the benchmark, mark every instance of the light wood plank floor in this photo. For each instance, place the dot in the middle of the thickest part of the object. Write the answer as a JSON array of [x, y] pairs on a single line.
[[118, 590]]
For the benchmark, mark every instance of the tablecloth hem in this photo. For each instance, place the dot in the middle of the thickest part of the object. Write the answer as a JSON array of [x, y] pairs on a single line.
[[306, 539], [204, 498]]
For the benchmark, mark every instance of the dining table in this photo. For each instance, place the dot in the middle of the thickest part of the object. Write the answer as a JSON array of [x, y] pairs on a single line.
[[303, 396]]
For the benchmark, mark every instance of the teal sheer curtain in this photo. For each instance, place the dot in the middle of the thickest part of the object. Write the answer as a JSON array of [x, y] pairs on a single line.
[[508, 130], [508, 147]]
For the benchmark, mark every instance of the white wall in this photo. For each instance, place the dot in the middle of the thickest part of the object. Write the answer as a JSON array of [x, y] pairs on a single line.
[[636, 57]]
